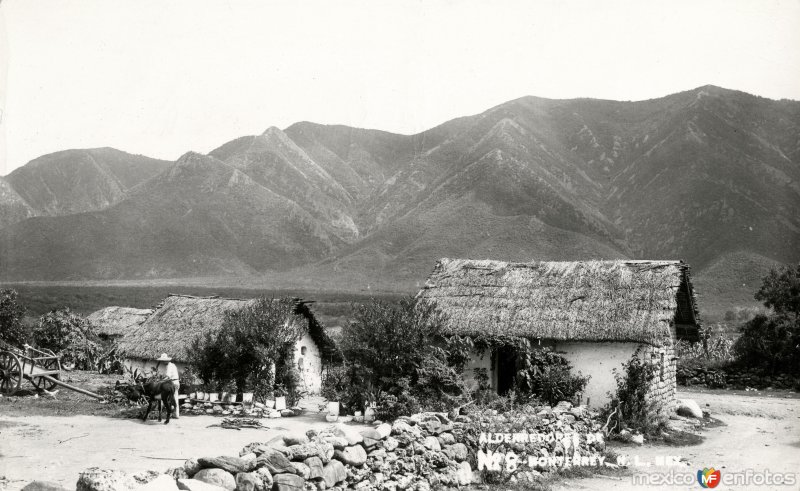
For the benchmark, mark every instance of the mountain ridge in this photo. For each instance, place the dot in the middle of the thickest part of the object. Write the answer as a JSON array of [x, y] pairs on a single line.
[[704, 175]]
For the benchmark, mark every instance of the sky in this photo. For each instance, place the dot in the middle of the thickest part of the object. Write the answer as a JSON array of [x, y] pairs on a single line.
[[162, 78]]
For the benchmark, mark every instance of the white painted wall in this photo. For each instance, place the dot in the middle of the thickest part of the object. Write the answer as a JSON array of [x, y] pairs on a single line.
[[311, 366], [598, 360]]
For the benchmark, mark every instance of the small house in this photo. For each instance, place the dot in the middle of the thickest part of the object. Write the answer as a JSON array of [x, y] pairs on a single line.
[[597, 314], [173, 326]]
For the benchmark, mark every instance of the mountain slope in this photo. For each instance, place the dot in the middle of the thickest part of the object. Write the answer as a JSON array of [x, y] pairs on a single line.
[[76, 181], [710, 176]]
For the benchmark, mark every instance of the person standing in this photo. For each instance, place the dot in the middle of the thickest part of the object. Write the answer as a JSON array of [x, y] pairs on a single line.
[[172, 374]]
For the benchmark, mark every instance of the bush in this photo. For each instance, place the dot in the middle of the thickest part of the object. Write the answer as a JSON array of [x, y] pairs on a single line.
[[397, 358], [69, 336], [546, 376], [253, 348], [630, 406], [12, 330], [771, 341]]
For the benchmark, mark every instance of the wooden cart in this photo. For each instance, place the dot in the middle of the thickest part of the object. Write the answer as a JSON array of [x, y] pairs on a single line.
[[41, 368]]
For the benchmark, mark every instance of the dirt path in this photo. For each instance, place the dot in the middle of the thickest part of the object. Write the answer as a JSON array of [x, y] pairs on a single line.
[[57, 448], [762, 434]]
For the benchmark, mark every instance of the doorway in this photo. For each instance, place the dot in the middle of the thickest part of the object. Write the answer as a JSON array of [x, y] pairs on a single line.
[[506, 369]]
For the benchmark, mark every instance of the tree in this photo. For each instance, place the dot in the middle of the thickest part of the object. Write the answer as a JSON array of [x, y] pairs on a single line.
[[11, 313], [780, 291], [68, 335], [397, 357], [249, 344]]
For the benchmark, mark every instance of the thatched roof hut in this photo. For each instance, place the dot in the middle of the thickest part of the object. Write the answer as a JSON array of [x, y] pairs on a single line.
[[180, 319], [117, 321], [633, 301]]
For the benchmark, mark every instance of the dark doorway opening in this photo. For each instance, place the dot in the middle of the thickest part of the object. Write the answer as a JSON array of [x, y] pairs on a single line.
[[506, 369]]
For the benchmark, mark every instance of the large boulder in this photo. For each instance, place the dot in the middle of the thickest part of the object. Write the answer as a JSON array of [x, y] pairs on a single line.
[[217, 477], [96, 479], [354, 455], [302, 470], [191, 466], [234, 465], [689, 408], [384, 430], [275, 462], [333, 473], [288, 482], [195, 485], [295, 438]]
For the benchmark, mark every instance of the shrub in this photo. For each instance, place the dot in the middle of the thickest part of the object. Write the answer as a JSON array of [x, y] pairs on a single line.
[[771, 341], [397, 358], [12, 330], [630, 406], [70, 336], [253, 348], [546, 376]]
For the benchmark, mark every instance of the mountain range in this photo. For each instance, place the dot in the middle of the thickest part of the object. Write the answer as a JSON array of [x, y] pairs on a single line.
[[710, 176]]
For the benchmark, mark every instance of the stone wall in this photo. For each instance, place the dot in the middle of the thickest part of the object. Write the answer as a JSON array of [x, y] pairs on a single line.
[[733, 377], [663, 387]]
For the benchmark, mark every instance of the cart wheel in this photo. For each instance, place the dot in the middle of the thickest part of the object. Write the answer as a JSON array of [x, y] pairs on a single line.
[[42, 383], [10, 373]]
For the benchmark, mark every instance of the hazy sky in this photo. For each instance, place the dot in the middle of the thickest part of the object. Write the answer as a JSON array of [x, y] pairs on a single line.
[[160, 78]]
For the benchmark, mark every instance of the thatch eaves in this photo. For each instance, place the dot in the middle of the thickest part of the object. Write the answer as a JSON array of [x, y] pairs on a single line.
[[117, 321], [180, 319], [636, 301]]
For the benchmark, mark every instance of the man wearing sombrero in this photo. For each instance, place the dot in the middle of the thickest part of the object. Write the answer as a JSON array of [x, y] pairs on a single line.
[[172, 374]]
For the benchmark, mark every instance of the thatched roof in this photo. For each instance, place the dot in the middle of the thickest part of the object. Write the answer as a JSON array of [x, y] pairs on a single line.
[[180, 319], [638, 301], [117, 321]]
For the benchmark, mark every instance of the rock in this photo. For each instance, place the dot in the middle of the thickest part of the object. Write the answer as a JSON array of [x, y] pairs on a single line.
[[353, 455], [333, 473], [464, 474], [287, 413], [233, 465], [161, 483], [191, 466], [338, 442], [390, 443], [637, 439], [689, 408], [315, 467], [383, 430], [331, 418], [562, 406], [177, 473], [44, 486], [217, 477], [431, 443], [288, 482], [265, 476], [457, 452], [249, 481], [195, 485], [446, 439], [275, 462], [349, 433], [96, 479], [249, 456], [302, 470], [320, 449]]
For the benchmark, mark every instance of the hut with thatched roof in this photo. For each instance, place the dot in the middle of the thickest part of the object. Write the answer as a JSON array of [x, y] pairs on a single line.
[[115, 322], [597, 314], [180, 319]]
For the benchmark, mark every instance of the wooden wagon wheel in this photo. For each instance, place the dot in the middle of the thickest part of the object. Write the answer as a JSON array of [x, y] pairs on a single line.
[[50, 364], [10, 373]]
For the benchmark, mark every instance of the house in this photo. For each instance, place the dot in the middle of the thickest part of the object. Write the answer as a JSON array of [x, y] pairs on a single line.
[[597, 314], [115, 322], [180, 319]]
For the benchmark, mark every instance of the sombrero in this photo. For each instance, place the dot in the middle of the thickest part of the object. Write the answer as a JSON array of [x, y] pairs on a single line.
[[164, 357]]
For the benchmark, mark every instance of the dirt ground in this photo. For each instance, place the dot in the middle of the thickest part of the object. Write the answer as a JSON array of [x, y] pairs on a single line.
[[762, 432]]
